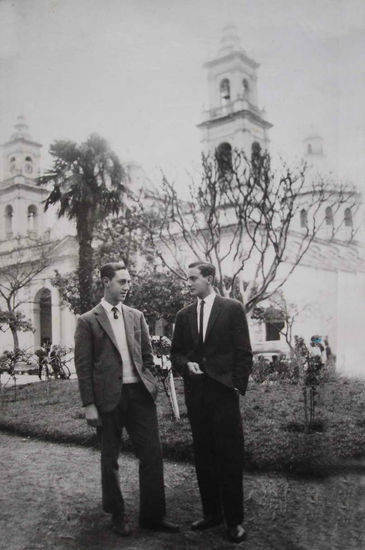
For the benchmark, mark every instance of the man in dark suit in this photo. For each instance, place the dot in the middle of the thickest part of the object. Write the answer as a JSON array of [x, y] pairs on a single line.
[[211, 350], [113, 358]]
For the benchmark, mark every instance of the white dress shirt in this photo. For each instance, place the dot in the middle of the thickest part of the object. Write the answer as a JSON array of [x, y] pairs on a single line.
[[130, 374], [208, 304]]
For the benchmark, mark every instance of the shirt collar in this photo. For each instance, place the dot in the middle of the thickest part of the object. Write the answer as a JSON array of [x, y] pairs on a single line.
[[208, 300], [109, 307]]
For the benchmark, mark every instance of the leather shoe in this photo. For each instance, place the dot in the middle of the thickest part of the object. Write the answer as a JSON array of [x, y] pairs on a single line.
[[206, 523], [160, 525], [236, 533], [121, 526]]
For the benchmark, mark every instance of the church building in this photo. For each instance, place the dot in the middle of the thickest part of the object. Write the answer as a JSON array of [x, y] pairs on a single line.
[[26, 231], [327, 288]]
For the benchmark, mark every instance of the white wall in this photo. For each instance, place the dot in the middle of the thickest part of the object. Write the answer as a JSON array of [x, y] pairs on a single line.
[[351, 324]]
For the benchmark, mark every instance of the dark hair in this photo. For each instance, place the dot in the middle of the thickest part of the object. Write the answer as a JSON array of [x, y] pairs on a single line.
[[205, 268], [108, 270]]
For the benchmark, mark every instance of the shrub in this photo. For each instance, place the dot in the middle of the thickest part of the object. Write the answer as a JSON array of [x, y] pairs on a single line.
[[277, 370]]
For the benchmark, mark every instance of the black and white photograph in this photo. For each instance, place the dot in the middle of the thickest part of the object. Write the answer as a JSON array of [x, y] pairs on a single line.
[[182, 274]]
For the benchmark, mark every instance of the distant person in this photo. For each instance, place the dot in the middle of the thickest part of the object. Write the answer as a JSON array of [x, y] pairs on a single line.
[[327, 348], [317, 350], [113, 359], [300, 347], [211, 349], [42, 354], [55, 361]]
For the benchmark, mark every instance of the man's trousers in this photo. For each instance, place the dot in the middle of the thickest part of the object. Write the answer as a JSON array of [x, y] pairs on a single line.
[[216, 425], [137, 413]]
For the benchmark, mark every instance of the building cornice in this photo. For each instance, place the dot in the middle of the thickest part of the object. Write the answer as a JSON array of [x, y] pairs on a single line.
[[22, 140], [21, 186], [232, 55], [58, 247], [243, 114]]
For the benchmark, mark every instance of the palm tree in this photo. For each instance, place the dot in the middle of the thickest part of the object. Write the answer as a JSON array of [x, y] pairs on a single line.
[[87, 185]]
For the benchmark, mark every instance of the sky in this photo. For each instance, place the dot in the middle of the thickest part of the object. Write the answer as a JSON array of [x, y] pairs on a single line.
[[132, 71]]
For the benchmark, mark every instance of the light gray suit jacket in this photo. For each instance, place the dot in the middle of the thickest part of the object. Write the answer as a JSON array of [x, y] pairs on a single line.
[[98, 362]]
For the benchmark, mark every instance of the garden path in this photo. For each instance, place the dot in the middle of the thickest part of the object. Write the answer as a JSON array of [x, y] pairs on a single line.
[[50, 499]]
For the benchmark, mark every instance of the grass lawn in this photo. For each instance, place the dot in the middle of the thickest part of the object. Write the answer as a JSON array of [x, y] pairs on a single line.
[[272, 415]]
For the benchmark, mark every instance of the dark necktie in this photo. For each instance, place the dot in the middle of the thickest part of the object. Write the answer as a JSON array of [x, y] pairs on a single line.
[[201, 322], [115, 312]]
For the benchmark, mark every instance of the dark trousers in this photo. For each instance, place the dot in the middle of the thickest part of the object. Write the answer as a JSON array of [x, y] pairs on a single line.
[[216, 425], [137, 413]]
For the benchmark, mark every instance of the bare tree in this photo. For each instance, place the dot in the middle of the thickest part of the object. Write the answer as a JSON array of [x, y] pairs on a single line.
[[243, 213], [120, 239], [27, 259]]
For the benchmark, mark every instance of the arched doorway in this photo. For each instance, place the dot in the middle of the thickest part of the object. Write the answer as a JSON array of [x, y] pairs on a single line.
[[43, 317]]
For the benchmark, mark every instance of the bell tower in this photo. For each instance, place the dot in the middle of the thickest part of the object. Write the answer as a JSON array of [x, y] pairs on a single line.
[[21, 209], [313, 145], [21, 154], [233, 119]]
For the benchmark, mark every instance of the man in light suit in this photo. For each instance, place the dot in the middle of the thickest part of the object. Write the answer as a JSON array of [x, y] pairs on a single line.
[[113, 358], [211, 350]]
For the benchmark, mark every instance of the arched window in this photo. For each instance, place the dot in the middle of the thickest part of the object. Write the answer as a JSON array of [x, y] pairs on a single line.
[[9, 213], [256, 148], [256, 154], [32, 219], [246, 86], [225, 91], [28, 165], [12, 165], [348, 217], [224, 158], [303, 218], [328, 216]]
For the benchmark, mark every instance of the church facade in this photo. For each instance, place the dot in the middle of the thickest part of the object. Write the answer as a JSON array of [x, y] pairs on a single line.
[[25, 231], [325, 295], [327, 289]]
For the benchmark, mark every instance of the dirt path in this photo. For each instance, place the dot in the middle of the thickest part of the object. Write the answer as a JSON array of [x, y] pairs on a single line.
[[50, 499]]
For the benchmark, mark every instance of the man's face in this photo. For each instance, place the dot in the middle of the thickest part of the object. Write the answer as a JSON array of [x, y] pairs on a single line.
[[117, 288], [198, 284]]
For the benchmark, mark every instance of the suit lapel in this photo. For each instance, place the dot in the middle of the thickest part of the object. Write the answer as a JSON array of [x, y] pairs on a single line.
[[102, 317], [128, 317], [193, 320], [217, 304]]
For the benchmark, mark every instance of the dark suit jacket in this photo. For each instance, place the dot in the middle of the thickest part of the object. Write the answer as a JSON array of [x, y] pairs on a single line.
[[98, 362], [227, 350]]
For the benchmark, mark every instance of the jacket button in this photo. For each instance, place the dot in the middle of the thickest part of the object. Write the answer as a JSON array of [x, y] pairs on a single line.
[[119, 377]]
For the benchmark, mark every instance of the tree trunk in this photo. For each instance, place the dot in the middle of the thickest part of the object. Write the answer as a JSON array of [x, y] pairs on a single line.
[[14, 333], [12, 324], [85, 269]]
